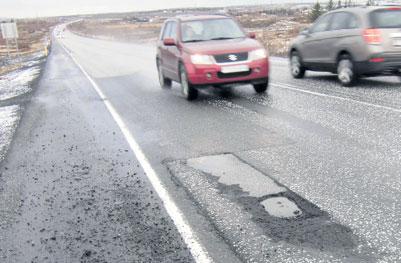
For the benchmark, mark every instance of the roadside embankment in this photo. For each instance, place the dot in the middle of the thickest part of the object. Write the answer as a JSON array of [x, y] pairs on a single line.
[[19, 74]]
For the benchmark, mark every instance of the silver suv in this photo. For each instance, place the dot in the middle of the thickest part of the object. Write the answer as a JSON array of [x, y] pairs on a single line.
[[352, 42]]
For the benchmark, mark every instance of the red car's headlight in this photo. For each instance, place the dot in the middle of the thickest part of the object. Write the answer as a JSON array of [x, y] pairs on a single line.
[[258, 54], [202, 60]]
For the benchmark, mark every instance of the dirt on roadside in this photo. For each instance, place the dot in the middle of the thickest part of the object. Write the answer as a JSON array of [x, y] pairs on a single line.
[[117, 30]]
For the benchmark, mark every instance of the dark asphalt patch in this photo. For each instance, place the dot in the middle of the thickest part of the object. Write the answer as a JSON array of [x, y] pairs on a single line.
[[312, 228]]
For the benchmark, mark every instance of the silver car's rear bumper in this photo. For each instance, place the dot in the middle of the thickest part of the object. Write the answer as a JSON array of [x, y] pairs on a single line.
[[389, 65]]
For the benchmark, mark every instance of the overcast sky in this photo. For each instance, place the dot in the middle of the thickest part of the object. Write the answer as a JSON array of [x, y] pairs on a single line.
[[33, 8]]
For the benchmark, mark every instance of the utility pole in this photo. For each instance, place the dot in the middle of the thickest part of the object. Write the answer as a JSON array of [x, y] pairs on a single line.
[[16, 43], [8, 49]]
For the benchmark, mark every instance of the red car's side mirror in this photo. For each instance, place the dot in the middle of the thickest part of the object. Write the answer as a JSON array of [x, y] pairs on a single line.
[[252, 35], [169, 42]]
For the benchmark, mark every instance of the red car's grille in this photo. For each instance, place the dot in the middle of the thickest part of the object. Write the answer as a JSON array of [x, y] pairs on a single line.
[[222, 75], [231, 57]]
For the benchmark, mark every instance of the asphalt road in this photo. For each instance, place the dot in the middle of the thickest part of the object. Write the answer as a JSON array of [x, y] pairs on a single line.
[[328, 156]]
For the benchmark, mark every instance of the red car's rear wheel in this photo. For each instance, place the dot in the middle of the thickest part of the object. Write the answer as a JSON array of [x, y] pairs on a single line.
[[164, 82]]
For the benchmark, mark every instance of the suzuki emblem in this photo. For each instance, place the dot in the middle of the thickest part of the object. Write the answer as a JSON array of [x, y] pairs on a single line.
[[233, 57]]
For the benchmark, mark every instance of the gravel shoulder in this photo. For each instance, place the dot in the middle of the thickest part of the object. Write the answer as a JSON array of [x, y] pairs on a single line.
[[70, 188]]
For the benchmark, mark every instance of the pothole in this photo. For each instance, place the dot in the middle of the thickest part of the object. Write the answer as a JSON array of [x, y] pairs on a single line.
[[281, 207]]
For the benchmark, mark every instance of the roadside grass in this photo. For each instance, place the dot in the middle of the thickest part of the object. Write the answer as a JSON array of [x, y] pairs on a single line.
[[34, 37], [275, 31], [275, 28], [116, 29]]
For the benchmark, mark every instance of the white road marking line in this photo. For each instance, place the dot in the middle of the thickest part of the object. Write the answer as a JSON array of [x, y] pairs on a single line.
[[198, 252], [293, 88]]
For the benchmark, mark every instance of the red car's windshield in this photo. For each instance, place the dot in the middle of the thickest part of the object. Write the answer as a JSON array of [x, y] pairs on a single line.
[[212, 29]]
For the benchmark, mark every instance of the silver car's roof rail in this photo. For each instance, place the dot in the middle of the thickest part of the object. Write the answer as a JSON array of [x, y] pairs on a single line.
[[386, 3], [200, 13]]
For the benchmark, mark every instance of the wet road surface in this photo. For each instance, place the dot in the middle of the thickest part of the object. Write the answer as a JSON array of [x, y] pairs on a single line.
[[330, 156]]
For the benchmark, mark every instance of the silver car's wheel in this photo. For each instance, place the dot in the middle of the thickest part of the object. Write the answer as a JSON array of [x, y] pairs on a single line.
[[295, 65], [297, 70], [345, 70], [399, 76]]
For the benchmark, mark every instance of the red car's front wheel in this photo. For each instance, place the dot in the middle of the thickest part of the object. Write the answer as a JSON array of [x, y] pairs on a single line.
[[189, 92], [261, 87]]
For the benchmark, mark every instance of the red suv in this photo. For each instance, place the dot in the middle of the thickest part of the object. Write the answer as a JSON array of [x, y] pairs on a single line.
[[199, 51]]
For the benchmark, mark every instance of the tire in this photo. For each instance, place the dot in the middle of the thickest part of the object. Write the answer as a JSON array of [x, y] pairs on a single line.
[[346, 71], [188, 91], [164, 82], [399, 76], [297, 69], [262, 87]]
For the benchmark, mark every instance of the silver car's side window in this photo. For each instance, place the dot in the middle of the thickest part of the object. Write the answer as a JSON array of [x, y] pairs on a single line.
[[344, 20], [353, 22], [322, 24]]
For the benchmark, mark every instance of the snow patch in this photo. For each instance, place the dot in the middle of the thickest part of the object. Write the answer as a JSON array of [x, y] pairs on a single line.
[[17, 82], [9, 118]]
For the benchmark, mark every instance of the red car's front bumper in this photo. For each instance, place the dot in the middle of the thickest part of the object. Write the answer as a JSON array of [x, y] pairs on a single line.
[[200, 75]]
